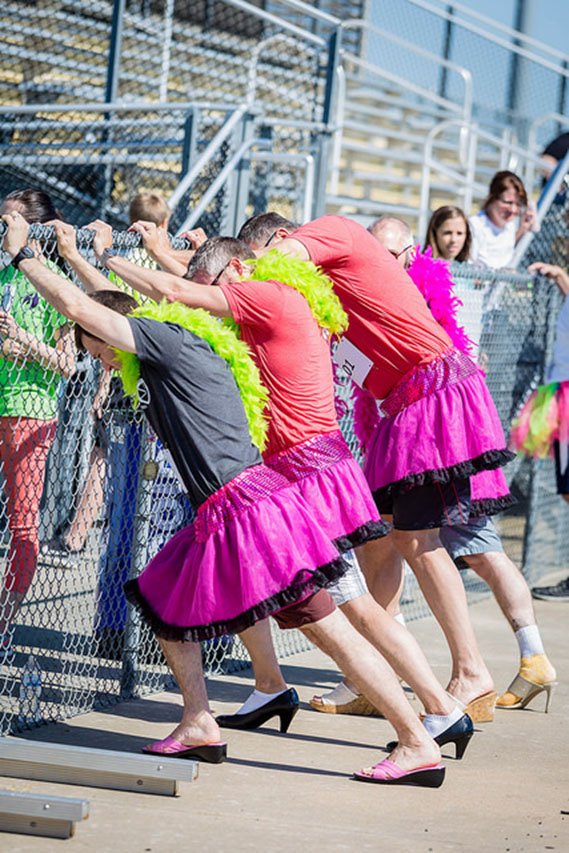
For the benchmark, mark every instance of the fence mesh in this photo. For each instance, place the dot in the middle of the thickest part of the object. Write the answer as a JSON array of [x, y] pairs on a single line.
[[101, 500]]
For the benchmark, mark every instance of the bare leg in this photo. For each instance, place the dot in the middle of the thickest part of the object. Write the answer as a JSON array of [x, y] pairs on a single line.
[[10, 600], [89, 504], [197, 725], [259, 644], [401, 650], [383, 568], [514, 599], [442, 587], [373, 677], [507, 584]]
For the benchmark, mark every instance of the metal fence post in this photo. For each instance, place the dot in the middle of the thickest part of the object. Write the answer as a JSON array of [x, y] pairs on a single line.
[[237, 190], [534, 502], [148, 473], [322, 140], [191, 125]]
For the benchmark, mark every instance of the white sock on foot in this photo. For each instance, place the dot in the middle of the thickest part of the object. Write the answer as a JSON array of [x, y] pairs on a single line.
[[529, 641], [400, 618], [257, 700], [438, 723]]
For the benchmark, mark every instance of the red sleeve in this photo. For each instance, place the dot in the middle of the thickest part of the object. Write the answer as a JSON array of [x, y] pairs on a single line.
[[327, 239], [255, 303]]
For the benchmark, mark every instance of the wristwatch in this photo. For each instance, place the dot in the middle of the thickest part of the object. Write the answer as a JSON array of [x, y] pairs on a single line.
[[22, 255], [106, 254]]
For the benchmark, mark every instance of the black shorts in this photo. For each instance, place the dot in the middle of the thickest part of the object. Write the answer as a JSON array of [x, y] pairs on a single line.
[[561, 476], [426, 507]]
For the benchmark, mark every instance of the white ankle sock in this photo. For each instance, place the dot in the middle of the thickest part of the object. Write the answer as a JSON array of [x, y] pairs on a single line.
[[400, 618], [529, 641], [257, 700], [438, 723]]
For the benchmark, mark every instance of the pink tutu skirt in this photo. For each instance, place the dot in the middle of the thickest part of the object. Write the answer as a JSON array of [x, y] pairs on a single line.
[[334, 487], [253, 549], [489, 493], [439, 424]]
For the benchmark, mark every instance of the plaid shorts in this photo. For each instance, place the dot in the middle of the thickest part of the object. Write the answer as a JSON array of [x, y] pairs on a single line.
[[351, 585]]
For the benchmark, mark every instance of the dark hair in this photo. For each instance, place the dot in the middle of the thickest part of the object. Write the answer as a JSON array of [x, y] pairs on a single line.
[[118, 300], [438, 218], [216, 253], [501, 182], [36, 205], [258, 229]]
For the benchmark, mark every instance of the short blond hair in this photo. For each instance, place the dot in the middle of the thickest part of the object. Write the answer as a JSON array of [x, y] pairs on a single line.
[[150, 207]]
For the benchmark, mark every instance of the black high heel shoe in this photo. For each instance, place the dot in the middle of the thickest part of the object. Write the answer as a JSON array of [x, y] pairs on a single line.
[[459, 734], [284, 706]]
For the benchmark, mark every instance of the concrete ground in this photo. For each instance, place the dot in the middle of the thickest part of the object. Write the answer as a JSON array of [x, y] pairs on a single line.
[[281, 792]]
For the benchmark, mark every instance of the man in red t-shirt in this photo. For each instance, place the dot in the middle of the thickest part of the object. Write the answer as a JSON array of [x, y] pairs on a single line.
[[418, 471]]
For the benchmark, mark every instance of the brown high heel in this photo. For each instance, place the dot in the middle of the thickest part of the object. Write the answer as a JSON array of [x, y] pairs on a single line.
[[481, 709], [526, 691]]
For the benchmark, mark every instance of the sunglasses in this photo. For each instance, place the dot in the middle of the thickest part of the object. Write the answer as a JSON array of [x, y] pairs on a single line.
[[397, 255], [220, 273]]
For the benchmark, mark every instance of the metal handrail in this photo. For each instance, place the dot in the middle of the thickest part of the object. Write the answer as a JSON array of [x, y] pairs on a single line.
[[218, 182], [462, 72], [262, 155], [115, 106], [274, 19], [501, 42], [497, 25], [255, 54], [532, 138], [473, 134], [552, 188], [412, 87], [209, 152]]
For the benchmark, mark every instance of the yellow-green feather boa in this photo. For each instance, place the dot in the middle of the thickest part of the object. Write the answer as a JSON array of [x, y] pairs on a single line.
[[224, 342], [310, 281]]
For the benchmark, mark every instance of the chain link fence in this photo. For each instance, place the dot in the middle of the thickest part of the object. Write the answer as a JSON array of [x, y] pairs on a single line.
[[101, 500]]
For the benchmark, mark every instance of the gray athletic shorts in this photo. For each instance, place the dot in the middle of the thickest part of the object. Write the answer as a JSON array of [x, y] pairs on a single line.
[[351, 585], [479, 536]]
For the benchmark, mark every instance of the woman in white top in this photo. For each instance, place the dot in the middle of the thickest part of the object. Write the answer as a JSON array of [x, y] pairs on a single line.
[[504, 218]]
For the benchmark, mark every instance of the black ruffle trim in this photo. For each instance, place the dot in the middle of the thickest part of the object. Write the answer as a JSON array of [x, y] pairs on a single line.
[[491, 506], [485, 462], [365, 533], [320, 578]]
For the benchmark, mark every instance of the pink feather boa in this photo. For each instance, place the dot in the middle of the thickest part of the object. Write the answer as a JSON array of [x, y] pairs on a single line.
[[433, 279]]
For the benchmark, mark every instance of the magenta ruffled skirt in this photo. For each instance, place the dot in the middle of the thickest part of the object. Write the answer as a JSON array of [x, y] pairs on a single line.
[[439, 424], [489, 493], [253, 549], [334, 487]]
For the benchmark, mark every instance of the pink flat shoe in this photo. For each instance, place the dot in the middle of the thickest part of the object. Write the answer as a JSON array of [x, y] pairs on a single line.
[[388, 773], [213, 753]]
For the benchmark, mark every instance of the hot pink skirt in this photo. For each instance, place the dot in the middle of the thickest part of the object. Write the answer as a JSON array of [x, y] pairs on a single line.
[[439, 424], [253, 549], [334, 487], [489, 493]]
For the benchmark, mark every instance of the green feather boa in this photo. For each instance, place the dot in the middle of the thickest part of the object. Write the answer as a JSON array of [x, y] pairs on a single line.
[[310, 281], [223, 342]]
